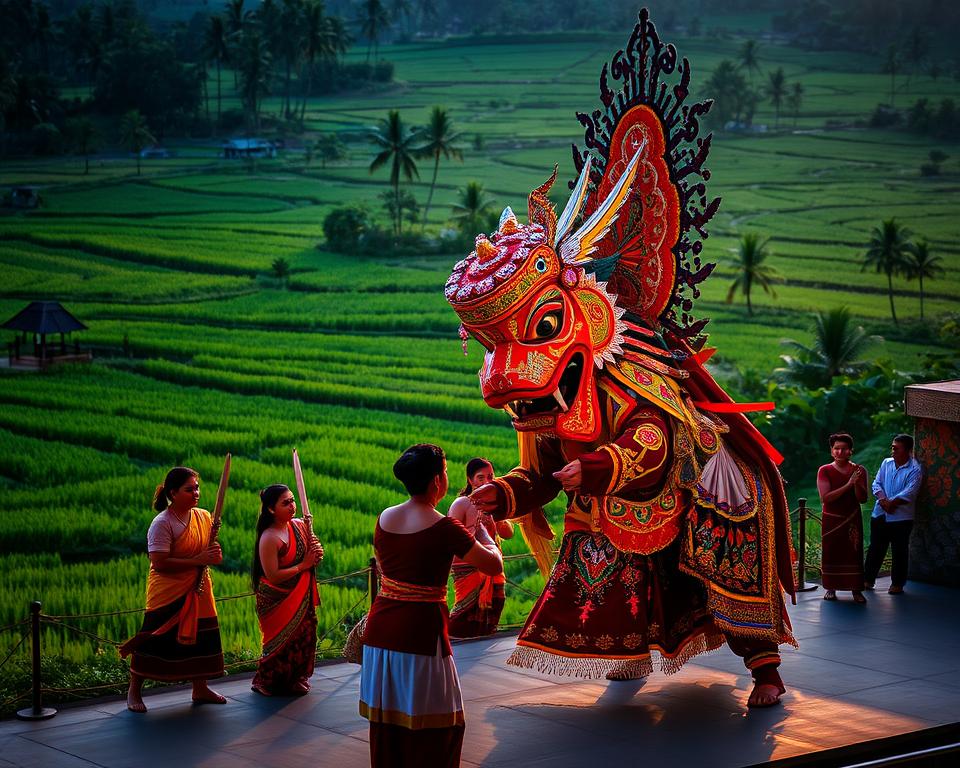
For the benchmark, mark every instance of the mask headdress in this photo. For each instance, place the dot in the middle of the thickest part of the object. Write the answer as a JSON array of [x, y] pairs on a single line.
[[652, 253]]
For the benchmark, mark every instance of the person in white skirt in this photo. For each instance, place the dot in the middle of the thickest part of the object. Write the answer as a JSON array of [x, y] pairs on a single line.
[[409, 689]]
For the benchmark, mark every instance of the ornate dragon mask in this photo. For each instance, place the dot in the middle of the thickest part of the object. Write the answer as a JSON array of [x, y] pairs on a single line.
[[546, 322]]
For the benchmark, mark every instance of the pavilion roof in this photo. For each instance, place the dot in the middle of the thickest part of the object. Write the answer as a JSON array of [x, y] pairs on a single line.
[[44, 317]]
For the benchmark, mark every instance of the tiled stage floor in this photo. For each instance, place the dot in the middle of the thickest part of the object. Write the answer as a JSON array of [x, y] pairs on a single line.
[[862, 672]]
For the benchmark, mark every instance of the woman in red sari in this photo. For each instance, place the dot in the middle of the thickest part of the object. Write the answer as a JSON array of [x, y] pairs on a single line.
[[409, 689], [843, 488], [479, 598], [180, 635], [283, 578]]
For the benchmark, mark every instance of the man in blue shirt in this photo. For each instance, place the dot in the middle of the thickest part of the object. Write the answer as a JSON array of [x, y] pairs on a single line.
[[896, 487]]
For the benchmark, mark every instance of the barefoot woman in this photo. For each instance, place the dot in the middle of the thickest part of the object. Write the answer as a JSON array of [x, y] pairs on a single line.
[[283, 577], [843, 488], [180, 636]]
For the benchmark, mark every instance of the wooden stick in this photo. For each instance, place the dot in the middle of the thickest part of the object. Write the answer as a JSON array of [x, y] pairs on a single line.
[[217, 515], [302, 492], [221, 494]]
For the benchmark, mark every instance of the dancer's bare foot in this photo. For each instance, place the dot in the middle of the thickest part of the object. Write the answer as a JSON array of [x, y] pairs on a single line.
[[261, 690], [135, 701], [764, 695], [202, 694], [300, 688], [135, 695], [859, 598]]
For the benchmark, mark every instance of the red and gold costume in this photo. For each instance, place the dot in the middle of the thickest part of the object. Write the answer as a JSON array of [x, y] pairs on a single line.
[[678, 537]]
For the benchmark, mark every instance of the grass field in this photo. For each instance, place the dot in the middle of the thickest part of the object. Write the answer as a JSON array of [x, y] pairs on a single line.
[[199, 351]]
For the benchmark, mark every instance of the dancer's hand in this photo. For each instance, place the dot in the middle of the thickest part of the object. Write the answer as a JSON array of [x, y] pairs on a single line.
[[571, 476], [485, 498]]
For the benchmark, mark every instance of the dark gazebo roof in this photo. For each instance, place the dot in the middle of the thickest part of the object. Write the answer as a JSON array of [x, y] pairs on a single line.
[[44, 317]]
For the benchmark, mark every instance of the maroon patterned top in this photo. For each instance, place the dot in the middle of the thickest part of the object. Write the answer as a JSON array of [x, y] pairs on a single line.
[[422, 558]]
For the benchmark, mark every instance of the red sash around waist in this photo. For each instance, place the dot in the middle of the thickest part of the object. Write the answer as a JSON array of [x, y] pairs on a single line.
[[411, 593]]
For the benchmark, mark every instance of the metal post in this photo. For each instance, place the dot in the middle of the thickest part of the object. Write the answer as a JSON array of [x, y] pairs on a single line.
[[802, 585], [37, 711], [373, 583]]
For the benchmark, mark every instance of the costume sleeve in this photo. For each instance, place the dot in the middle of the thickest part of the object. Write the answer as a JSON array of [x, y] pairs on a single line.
[[914, 481], [459, 540], [635, 461], [522, 491], [877, 486]]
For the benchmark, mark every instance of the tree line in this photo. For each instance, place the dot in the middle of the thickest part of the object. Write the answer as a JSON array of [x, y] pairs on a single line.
[[736, 95], [289, 47]]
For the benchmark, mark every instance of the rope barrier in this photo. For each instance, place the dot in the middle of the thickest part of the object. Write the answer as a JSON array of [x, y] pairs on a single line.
[[14, 649], [522, 589], [14, 625], [79, 631], [350, 610], [8, 702]]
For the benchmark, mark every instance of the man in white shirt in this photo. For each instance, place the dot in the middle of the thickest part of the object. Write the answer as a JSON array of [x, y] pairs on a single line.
[[896, 487]]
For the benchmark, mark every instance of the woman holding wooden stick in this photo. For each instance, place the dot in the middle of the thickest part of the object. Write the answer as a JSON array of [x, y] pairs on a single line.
[[285, 554], [180, 636]]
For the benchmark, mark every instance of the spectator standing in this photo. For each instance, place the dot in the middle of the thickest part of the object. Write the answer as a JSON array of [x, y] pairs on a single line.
[[895, 487]]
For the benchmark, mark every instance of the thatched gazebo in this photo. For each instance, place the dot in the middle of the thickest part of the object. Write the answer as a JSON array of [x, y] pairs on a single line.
[[42, 319]]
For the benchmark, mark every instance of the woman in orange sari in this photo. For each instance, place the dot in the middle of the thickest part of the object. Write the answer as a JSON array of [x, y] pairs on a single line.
[[283, 561], [479, 598], [180, 636]]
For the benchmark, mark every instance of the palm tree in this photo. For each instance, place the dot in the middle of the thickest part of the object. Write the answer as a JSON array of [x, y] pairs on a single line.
[[887, 252], [472, 207], [373, 18], [727, 86], [340, 38], [777, 90], [216, 47], [920, 263], [440, 138], [317, 43], [236, 23], [135, 134], [836, 349], [916, 51], [398, 147], [254, 63], [749, 57], [751, 270], [794, 100], [289, 44], [891, 66], [401, 8], [83, 136], [427, 12]]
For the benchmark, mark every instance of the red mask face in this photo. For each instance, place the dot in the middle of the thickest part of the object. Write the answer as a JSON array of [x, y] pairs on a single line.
[[546, 326]]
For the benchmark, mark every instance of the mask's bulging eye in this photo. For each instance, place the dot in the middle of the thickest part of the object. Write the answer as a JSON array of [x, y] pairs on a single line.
[[548, 325], [540, 265]]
